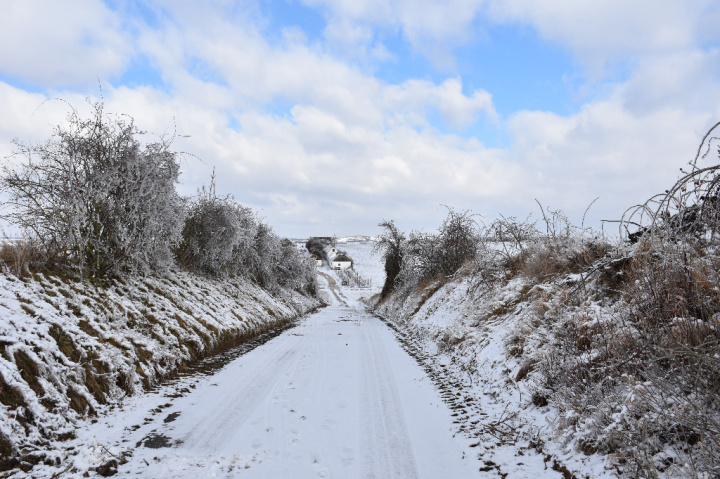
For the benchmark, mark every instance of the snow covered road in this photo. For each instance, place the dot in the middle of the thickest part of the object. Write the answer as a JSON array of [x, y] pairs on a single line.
[[335, 396]]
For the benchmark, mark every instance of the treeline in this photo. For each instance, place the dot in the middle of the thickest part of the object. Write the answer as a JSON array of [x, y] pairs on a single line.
[[95, 200]]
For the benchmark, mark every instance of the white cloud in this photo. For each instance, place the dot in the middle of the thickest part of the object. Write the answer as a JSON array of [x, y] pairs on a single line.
[[602, 32], [431, 27], [248, 73], [604, 151], [61, 43], [447, 98], [344, 149], [686, 79]]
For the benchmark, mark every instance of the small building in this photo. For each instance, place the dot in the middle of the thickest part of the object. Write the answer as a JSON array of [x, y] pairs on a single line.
[[330, 252], [340, 261], [317, 259]]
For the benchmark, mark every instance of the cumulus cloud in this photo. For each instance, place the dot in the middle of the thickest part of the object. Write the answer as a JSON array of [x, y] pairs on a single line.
[[308, 135], [599, 33], [432, 28], [55, 44]]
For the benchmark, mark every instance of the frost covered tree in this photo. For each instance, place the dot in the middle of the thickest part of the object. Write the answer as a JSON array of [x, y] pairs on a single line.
[[94, 196], [391, 244], [218, 235], [224, 238]]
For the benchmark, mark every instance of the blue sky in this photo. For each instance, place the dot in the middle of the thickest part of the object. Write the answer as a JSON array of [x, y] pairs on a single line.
[[328, 116]]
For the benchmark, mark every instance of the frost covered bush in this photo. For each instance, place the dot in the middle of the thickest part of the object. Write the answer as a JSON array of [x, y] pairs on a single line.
[[217, 235], [223, 238], [431, 255], [458, 239], [390, 244], [94, 196], [642, 383]]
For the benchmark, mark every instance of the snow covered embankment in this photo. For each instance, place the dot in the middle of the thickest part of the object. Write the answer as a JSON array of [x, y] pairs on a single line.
[[480, 341], [70, 349]]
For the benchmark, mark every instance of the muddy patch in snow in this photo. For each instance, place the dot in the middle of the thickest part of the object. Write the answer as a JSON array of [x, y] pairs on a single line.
[[156, 441], [171, 417]]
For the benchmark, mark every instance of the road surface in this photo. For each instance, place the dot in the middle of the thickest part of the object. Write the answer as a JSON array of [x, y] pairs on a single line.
[[334, 397]]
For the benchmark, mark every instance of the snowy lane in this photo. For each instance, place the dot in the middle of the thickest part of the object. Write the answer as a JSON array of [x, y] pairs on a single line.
[[389, 453], [335, 396]]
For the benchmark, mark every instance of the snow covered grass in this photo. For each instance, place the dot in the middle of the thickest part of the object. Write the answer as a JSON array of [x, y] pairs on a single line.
[[70, 350], [366, 263], [483, 343], [605, 361]]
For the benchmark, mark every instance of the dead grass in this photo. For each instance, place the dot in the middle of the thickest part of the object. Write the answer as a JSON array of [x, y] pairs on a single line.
[[21, 257], [96, 379], [88, 329], [6, 446], [663, 344], [548, 260], [29, 371], [428, 287], [78, 403], [10, 396], [65, 343]]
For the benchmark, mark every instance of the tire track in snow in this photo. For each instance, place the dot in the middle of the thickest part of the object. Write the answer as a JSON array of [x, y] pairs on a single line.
[[211, 433], [389, 451], [335, 397]]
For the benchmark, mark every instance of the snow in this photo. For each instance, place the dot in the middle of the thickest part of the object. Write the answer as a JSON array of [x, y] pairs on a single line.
[[334, 396], [93, 344], [427, 391], [465, 334]]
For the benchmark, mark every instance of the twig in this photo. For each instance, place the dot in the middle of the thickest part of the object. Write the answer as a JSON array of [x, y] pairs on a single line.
[[106, 450], [57, 474]]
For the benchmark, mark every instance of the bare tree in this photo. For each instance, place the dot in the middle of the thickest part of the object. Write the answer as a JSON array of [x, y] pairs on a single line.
[[217, 235], [94, 196], [391, 244]]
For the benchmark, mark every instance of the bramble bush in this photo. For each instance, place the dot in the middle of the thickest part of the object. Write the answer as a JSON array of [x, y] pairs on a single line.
[[641, 384]]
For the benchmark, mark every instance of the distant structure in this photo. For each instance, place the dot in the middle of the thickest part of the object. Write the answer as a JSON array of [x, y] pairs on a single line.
[[317, 259], [337, 259], [341, 261], [322, 247]]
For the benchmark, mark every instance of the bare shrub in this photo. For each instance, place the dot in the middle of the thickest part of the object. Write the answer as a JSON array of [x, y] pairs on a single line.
[[95, 196], [391, 244], [431, 255], [642, 384], [21, 256], [458, 240], [512, 236]]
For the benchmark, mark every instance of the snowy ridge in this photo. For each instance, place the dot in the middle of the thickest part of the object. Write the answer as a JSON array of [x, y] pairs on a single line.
[[71, 349], [357, 239]]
